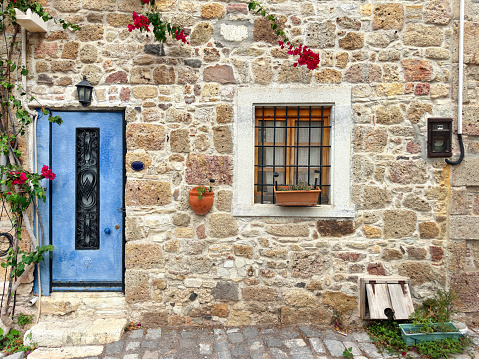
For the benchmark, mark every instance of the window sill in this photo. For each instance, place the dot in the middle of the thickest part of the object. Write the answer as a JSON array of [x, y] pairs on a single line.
[[271, 210]]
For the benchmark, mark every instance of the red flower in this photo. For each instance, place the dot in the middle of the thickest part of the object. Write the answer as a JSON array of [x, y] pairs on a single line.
[[48, 173], [139, 22], [180, 35], [306, 56], [146, 1]]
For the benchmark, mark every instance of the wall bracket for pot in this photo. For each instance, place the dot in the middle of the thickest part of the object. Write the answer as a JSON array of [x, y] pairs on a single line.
[[31, 21], [385, 297]]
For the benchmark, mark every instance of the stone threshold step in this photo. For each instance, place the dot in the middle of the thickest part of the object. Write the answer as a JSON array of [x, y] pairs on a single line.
[[61, 332], [66, 352]]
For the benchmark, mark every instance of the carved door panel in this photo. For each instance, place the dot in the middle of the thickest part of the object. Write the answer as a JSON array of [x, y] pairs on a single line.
[[87, 201]]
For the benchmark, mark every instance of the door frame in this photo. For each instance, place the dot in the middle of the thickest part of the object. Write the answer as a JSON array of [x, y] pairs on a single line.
[[44, 154]]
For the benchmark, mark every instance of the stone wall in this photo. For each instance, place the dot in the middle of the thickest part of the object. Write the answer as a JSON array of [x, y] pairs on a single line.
[[400, 59]]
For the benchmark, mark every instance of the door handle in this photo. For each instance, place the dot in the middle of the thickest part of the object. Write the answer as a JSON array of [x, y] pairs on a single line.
[[107, 231]]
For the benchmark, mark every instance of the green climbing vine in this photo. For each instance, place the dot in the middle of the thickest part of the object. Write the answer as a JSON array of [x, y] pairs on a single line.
[[19, 187]]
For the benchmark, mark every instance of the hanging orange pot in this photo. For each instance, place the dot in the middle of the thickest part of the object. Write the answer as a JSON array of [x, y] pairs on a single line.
[[201, 205]]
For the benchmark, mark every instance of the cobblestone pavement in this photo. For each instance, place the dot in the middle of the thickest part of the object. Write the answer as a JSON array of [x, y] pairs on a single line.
[[304, 342]]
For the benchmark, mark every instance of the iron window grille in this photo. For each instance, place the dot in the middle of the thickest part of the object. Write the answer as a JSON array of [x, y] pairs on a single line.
[[293, 141]]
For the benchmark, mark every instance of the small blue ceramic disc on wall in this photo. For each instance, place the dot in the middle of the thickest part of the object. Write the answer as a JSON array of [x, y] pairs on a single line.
[[137, 166]]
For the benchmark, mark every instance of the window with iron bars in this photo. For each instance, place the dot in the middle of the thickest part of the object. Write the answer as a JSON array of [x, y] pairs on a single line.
[[293, 141]]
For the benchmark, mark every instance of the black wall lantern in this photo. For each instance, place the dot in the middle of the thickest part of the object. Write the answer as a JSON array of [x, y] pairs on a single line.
[[439, 137], [85, 91]]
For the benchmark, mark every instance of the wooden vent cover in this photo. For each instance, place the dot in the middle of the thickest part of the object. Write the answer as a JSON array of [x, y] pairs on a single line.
[[385, 297]]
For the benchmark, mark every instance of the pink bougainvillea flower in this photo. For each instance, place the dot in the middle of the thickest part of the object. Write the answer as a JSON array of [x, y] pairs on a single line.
[[145, 1], [139, 22], [180, 35], [306, 56], [48, 173]]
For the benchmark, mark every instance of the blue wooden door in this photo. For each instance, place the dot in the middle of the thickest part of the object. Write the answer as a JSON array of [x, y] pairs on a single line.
[[87, 201]]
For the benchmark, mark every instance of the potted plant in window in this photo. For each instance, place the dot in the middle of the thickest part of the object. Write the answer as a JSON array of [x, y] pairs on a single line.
[[299, 195], [201, 199], [431, 321]]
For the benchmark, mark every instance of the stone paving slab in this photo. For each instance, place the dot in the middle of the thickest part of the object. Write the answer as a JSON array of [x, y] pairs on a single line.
[[304, 342]]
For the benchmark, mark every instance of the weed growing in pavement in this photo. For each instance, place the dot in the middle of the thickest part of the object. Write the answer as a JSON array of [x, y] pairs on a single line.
[[348, 353], [386, 335], [23, 319], [439, 349]]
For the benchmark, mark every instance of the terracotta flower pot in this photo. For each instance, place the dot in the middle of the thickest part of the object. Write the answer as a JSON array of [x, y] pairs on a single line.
[[297, 198], [201, 206]]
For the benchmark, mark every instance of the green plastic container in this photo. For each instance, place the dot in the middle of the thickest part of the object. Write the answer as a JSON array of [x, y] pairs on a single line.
[[416, 338]]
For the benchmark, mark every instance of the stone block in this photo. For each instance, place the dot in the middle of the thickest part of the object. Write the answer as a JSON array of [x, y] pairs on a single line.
[[202, 32], [437, 253], [369, 139], [471, 50], [212, 11], [389, 115], [376, 269], [428, 230], [288, 230], [224, 113], [423, 35], [340, 302], [186, 76], [222, 139], [136, 286], [70, 50], [408, 172], [262, 71], [260, 293], [143, 92], [457, 253], [200, 168], [417, 70], [375, 197], [164, 75], [300, 298], [118, 20], [417, 203], [180, 141], [390, 253], [399, 223], [295, 316], [335, 228], [437, 12], [418, 272], [143, 256], [328, 76], [119, 77], [262, 29], [416, 111], [466, 173], [222, 74], [225, 291], [90, 33], [416, 252], [320, 34], [222, 225], [147, 193], [306, 264], [145, 136], [388, 16], [466, 287], [464, 227], [352, 41]]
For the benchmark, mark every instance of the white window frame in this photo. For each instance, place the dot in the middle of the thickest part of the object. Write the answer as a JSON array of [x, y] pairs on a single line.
[[336, 96]]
